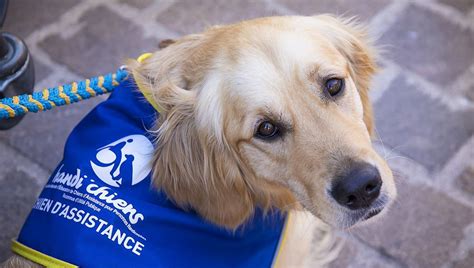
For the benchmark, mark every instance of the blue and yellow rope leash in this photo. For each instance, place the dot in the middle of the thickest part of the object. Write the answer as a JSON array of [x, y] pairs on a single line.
[[65, 94], [61, 95]]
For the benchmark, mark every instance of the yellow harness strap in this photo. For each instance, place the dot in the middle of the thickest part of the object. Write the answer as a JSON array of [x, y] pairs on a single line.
[[38, 257], [148, 95]]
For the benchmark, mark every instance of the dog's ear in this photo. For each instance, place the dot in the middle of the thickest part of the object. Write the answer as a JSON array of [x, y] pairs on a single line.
[[353, 41], [198, 172], [194, 167], [165, 43]]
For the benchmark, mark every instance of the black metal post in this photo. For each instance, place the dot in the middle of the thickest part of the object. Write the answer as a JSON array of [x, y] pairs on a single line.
[[16, 67], [3, 11], [4, 47]]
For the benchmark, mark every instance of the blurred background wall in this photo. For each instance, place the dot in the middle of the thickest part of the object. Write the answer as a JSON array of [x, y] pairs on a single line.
[[424, 104]]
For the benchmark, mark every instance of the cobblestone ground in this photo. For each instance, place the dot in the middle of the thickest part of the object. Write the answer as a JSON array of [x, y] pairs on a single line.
[[424, 102]]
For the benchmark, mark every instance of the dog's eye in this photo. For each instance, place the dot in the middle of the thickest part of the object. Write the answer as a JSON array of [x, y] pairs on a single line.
[[267, 130], [334, 86]]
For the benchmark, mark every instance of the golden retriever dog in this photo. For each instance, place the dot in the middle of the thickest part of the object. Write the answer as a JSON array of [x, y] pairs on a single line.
[[269, 113]]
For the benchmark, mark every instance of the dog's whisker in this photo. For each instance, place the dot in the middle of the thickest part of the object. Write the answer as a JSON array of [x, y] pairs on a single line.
[[379, 138], [401, 157]]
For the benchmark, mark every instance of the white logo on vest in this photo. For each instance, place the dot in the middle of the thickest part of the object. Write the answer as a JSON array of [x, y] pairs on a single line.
[[125, 162]]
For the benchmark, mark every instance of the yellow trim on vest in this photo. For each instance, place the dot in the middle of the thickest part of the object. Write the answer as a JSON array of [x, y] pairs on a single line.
[[148, 95], [282, 242], [38, 257]]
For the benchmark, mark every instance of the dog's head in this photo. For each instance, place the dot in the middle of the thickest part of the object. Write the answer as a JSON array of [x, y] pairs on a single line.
[[270, 113]]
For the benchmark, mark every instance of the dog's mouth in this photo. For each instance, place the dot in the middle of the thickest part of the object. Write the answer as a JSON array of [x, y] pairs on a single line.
[[347, 219], [379, 205], [372, 213], [364, 215]]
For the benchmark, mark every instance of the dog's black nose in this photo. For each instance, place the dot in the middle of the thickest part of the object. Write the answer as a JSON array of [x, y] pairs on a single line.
[[359, 188]]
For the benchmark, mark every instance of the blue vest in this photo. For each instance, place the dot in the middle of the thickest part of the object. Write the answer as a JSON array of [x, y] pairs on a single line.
[[97, 209]]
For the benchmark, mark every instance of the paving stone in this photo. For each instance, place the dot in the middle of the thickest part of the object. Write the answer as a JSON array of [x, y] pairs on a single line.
[[19, 187], [42, 136], [346, 256], [41, 71], [356, 255], [466, 180], [420, 127], [18, 197], [141, 4], [347, 8], [423, 228], [100, 46], [208, 13], [464, 256], [470, 93], [429, 45], [25, 16], [462, 5], [466, 262]]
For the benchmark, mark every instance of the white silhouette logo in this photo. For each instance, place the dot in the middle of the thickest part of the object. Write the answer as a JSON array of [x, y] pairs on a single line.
[[124, 162]]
